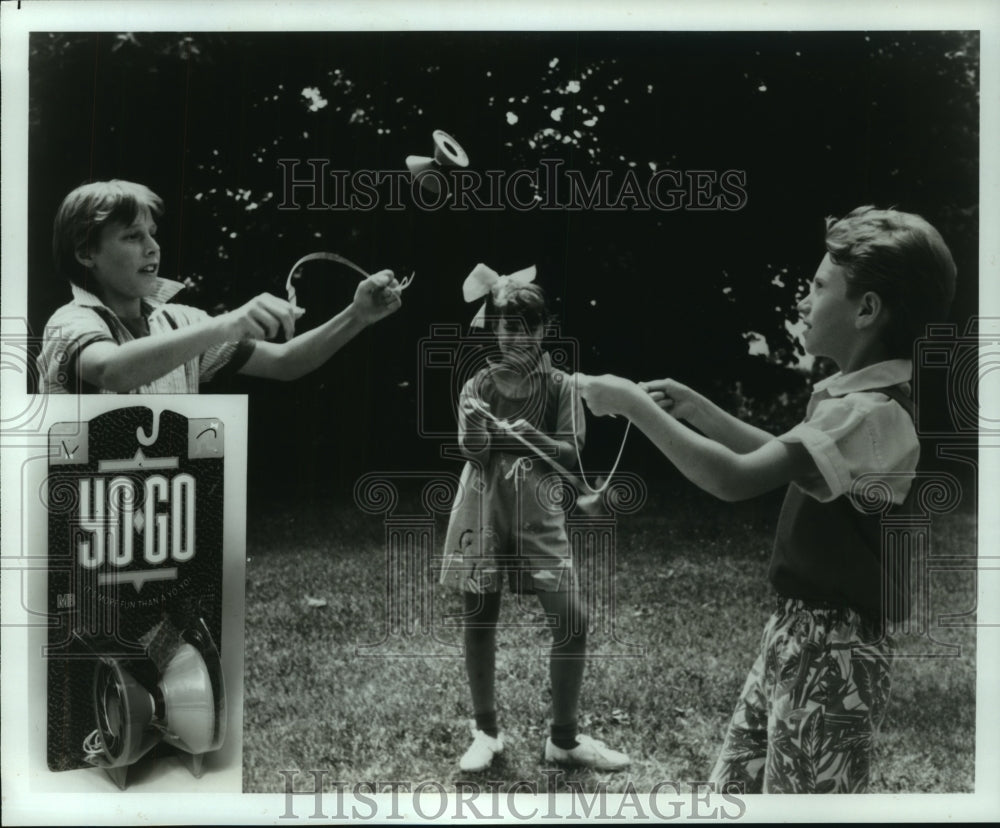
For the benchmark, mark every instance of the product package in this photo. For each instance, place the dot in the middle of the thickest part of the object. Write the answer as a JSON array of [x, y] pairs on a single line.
[[135, 561]]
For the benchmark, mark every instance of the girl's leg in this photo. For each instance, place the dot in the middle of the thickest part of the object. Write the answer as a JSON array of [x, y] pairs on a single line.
[[567, 661], [568, 658], [482, 611]]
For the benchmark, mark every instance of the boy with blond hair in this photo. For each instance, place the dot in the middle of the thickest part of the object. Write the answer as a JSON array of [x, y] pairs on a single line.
[[814, 699], [120, 334]]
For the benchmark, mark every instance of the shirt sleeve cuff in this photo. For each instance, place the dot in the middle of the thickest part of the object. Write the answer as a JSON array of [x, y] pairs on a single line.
[[74, 383], [226, 361], [834, 476], [242, 353]]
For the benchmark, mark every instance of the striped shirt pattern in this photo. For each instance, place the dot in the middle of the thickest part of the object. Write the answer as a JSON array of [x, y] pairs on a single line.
[[87, 320]]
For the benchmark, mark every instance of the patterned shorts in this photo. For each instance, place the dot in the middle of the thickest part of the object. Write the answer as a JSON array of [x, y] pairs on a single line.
[[811, 706]]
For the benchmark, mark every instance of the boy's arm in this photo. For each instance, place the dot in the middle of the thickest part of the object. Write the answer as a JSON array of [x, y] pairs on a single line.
[[687, 404], [375, 298], [561, 450], [123, 367], [714, 467]]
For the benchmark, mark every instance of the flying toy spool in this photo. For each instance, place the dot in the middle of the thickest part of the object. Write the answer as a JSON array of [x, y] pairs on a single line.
[[447, 153], [186, 709]]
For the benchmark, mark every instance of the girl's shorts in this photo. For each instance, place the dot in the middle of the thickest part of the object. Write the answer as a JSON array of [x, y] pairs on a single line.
[[497, 530], [529, 560]]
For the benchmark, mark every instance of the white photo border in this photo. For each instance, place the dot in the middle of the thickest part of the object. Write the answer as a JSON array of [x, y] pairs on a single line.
[[24, 806]]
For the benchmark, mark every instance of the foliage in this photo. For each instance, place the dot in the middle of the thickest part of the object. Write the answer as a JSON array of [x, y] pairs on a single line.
[[818, 121]]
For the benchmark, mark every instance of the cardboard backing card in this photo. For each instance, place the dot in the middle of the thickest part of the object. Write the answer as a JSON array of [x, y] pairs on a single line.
[[135, 538]]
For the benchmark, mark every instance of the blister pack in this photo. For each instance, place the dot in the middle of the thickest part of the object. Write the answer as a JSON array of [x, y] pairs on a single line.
[[135, 561]]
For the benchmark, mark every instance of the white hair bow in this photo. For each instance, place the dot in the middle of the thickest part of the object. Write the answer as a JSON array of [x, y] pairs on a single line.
[[484, 279]]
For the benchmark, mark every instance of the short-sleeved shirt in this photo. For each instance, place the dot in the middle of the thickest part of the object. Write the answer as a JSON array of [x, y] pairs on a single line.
[[851, 428], [545, 400], [86, 320], [827, 549], [502, 517]]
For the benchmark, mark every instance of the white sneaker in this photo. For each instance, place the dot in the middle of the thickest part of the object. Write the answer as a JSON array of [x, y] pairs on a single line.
[[481, 752], [590, 753]]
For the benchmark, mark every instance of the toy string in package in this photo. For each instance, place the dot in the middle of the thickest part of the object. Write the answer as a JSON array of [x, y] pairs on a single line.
[[135, 559]]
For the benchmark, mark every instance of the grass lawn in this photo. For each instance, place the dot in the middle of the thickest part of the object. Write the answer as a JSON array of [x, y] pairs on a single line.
[[666, 666]]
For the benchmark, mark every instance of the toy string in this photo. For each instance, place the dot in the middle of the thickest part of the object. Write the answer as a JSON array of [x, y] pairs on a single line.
[[576, 443], [559, 467], [330, 257]]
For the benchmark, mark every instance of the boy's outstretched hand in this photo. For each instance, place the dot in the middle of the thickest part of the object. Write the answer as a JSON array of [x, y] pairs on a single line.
[[673, 397], [608, 394], [260, 318], [377, 296]]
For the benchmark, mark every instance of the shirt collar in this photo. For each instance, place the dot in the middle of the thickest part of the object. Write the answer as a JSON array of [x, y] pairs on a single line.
[[166, 289], [878, 375]]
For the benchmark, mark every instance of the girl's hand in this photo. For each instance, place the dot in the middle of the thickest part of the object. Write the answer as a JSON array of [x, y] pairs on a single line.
[[475, 412], [377, 297], [521, 426], [673, 397], [607, 394]]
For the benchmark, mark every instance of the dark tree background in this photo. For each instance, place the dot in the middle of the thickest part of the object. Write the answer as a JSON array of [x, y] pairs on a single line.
[[820, 122]]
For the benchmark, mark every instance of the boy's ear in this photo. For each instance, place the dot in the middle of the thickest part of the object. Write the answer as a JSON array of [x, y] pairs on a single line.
[[871, 310], [84, 257]]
